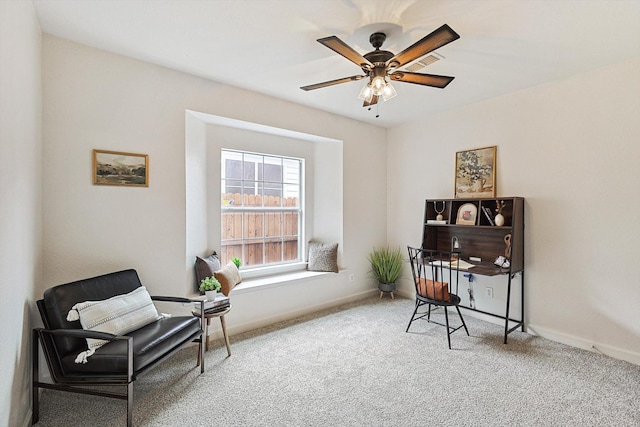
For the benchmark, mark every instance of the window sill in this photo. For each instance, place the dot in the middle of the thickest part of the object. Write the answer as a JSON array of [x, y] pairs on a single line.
[[252, 284], [250, 273]]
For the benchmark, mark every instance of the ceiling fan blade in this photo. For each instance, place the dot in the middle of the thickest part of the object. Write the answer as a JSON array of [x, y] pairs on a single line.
[[341, 48], [421, 79], [332, 82], [433, 41], [374, 101]]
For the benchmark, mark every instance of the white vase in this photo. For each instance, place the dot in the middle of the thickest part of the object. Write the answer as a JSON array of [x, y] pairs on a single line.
[[211, 295], [499, 220]]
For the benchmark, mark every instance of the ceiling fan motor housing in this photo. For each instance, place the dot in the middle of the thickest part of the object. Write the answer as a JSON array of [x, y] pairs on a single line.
[[377, 39], [377, 57]]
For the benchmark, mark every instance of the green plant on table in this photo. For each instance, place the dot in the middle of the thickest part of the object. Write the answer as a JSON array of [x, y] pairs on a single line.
[[386, 263], [210, 284]]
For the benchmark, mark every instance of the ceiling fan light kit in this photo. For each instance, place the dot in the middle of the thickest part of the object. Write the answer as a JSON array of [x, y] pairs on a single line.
[[366, 93], [388, 92], [380, 64]]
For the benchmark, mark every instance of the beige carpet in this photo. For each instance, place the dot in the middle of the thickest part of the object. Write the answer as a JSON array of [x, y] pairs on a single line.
[[355, 366]]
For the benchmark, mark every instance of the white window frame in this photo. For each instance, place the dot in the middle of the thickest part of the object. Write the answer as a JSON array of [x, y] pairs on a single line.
[[272, 268]]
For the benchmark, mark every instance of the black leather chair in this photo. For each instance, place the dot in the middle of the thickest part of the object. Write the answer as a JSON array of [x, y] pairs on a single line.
[[433, 275], [122, 359]]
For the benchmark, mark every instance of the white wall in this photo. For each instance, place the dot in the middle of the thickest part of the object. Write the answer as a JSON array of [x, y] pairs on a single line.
[[20, 201], [94, 99], [571, 149]]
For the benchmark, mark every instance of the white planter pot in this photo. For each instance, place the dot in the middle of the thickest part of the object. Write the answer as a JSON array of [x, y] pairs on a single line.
[[211, 295]]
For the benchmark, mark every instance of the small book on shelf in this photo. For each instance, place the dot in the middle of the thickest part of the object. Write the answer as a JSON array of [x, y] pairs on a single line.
[[216, 309], [220, 302], [461, 264], [487, 213], [436, 221]]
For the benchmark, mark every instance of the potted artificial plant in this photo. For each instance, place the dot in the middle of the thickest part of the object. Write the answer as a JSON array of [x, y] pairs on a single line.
[[386, 266], [237, 261], [210, 285]]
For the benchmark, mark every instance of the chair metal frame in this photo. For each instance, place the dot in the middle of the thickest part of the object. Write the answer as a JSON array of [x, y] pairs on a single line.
[[437, 266], [75, 383]]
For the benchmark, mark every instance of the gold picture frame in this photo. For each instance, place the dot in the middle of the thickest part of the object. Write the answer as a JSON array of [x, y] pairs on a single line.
[[476, 173], [120, 168]]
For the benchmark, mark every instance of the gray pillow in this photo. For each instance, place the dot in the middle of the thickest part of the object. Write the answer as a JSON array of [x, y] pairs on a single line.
[[206, 267], [323, 257]]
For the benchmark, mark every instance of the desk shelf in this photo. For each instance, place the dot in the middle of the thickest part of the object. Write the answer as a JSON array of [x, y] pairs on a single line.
[[477, 237]]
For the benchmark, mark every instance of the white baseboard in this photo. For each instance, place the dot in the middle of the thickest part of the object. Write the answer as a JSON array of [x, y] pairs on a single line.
[[27, 420], [251, 325], [470, 313], [405, 294], [607, 350], [616, 353]]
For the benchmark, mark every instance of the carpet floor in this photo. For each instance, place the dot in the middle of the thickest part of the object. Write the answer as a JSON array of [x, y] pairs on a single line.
[[354, 365]]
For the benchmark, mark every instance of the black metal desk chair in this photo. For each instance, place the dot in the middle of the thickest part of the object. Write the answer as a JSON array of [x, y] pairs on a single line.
[[433, 273]]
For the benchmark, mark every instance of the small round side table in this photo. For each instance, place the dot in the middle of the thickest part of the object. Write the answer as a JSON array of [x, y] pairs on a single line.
[[210, 316]]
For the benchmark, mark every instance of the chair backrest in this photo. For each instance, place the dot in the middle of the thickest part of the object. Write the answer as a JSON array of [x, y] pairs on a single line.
[[434, 273], [57, 302]]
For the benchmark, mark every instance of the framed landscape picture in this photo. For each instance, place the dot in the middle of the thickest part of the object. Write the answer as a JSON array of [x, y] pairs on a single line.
[[119, 168], [476, 173]]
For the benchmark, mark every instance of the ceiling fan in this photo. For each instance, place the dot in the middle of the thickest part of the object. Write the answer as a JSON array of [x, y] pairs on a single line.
[[378, 64]]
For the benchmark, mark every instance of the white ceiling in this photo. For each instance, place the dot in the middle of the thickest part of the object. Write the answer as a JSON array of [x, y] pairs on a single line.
[[269, 46]]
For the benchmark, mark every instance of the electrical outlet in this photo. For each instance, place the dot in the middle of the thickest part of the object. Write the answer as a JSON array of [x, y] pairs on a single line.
[[489, 292], [351, 278]]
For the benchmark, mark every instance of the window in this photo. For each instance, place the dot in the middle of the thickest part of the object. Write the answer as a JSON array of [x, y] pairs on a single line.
[[261, 209]]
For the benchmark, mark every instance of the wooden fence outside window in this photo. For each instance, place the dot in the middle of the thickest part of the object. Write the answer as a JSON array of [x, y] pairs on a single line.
[[270, 236]]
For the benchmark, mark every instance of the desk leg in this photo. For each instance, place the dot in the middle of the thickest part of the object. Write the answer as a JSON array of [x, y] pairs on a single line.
[[523, 329], [506, 320], [224, 332]]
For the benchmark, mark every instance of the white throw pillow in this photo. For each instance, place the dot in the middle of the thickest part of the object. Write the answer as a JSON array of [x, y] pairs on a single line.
[[117, 315]]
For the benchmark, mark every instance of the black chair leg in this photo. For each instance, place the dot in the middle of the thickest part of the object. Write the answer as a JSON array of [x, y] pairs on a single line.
[[412, 316], [446, 318], [35, 374], [130, 404], [463, 324]]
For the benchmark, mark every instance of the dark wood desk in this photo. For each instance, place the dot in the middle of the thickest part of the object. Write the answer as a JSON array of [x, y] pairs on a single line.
[[483, 240]]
